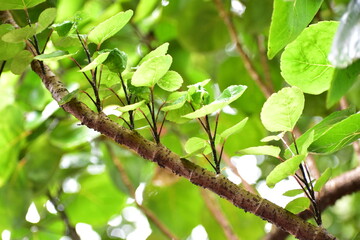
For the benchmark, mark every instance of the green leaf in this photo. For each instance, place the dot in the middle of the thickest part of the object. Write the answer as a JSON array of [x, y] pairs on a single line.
[[325, 176], [96, 62], [229, 95], [18, 4], [19, 35], [11, 138], [54, 56], [283, 109], [261, 150], [284, 170], [143, 9], [338, 136], [131, 106], [109, 27], [341, 82], [171, 81], [289, 18], [21, 61], [293, 192], [116, 61], [67, 98], [273, 138], [175, 101], [345, 47], [298, 205], [309, 139], [45, 19], [151, 71], [236, 128], [195, 145], [304, 62], [159, 51], [8, 49], [63, 28]]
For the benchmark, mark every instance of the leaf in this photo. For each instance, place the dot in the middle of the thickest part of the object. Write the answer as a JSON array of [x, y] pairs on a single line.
[[63, 28], [19, 35], [304, 62], [21, 61], [261, 150], [18, 4], [131, 106], [308, 141], [284, 170], [67, 98], [96, 62], [273, 138], [11, 138], [293, 192], [45, 19], [195, 145], [116, 61], [289, 18], [236, 128], [109, 27], [338, 136], [229, 95], [171, 81], [341, 82], [150, 72], [143, 9], [159, 51], [298, 205], [325, 176], [54, 56], [8, 49], [174, 101], [282, 110], [346, 45]]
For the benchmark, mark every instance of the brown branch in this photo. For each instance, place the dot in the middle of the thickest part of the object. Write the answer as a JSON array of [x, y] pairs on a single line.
[[246, 60], [215, 210]]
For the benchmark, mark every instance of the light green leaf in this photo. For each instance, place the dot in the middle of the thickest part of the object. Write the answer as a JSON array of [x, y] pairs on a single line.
[[338, 136], [283, 109], [229, 95], [144, 8], [63, 28], [273, 138], [293, 192], [67, 98], [298, 205], [96, 62], [195, 145], [109, 27], [304, 62], [261, 150], [21, 61], [289, 18], [54, 56], [45, 19], [237, 127], [341, 82], [171, 81], [284, 170], [8, 49], [18, 4], [116, 61], [131, 106], [174, 101], [19, 35], [159, 51], [150, 72], [325, 176], [307, 142]]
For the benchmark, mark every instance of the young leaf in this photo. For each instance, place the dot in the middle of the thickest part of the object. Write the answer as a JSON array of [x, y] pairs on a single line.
[[325, 176], [261, 150], [175, 100], [45, 19], [236, 128], [229, 95], [283, 109], [338, 136], [19, 35], [283, 170], [18, 4], [346, 45], [63, 28], [8, 49], [293, 192], [308, 141], [96, 62], [21, 61], [109, 27], [304, 62], [131, 106], [289, 18], [171, 81], [116, 61], [143, 9], [298, 205], [150, 72], [273, 138], [69, 97], [54, 56], [159, 51], [195, 144]]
